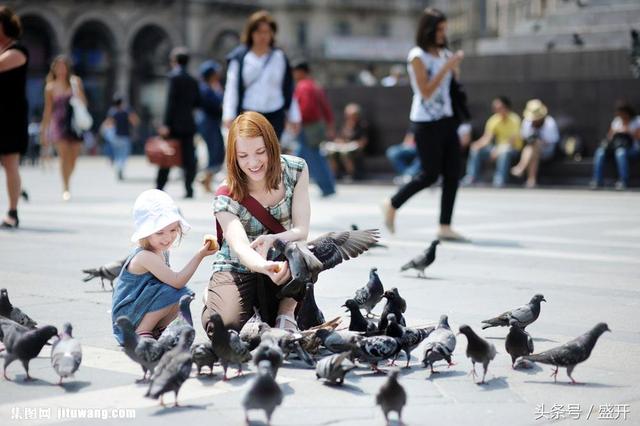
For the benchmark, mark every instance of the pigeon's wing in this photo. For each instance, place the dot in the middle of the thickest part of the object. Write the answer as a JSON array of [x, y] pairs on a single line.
[[21, 318], [529, 343], [334, 247], [570, 353], [500, 320], [523, 314], [362, 294], [238, 346], [10, 331], [149, 351]]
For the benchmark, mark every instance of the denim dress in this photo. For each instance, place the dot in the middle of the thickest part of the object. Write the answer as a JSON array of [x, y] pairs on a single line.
[[135, 295]]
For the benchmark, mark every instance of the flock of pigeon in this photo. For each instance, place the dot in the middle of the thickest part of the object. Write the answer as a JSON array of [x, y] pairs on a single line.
[[333, 350]]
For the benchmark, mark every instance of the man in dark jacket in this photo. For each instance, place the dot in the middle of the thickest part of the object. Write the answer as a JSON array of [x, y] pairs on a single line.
[[183, 97]]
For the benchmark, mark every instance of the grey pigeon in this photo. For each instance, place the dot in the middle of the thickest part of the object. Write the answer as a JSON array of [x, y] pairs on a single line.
[[440, 344], [269, 350], [409, 338], [338, 341], [250, 331], [227, 345], [358, 321], [264, 394], [333, 368], [203, 356], [289, 342], [307, 259], [173, 369], [392, 396], [370, 295], [479, 350], [66, 353], [374, 349], [14, 313], [169, 337], [395, 305], [423, 260], [309, 314], [23, 343], [12, 325], [571, 353], [144, 351], [109, 272], [524, 315], [518, 342]]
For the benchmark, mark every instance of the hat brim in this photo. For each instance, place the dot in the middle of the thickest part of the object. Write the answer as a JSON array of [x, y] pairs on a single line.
[[160, 222]]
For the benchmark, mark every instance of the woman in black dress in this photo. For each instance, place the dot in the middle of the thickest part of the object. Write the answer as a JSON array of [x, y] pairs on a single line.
[[13, 108]]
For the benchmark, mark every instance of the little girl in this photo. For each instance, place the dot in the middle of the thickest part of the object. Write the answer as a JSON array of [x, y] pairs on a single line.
[[147, 290]]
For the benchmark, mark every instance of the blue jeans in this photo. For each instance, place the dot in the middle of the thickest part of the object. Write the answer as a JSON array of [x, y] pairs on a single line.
[[503, 163], [622, 156], [318, 166], [404, 159], [210, 132], [121, 147]]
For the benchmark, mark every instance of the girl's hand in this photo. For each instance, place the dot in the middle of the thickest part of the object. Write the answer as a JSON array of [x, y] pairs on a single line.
[[262, 244], [455, 59], [278, 272], [206, 250]]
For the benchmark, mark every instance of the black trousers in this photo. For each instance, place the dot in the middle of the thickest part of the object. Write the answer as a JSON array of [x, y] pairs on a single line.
[[276, 119], [188, 164], [439, 150]]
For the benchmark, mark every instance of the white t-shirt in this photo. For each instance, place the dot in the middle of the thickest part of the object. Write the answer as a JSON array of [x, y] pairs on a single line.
[[548, 132], [438, 106], [634, 125]]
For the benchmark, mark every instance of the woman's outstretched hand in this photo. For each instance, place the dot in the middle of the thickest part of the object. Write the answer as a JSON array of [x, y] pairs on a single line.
[[262, 244], [278, 272]]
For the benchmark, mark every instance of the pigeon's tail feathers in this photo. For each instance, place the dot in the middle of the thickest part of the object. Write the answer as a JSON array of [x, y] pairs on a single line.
[[494, 322], [91, 274], [304, 355], [541, 357], [406, 266]]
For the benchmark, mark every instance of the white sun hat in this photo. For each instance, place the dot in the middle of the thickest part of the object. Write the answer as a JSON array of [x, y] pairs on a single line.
[[154, 210]]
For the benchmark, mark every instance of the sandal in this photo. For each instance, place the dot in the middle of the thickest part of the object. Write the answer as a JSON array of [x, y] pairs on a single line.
[[287, 322]]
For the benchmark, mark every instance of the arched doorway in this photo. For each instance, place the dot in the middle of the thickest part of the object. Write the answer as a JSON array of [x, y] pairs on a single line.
[[39, 38], [150, 64], [93, 54]]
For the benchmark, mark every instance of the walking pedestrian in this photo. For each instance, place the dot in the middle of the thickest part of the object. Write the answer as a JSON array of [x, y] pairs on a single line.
[[431, 67], [121, 119], [210, 118]]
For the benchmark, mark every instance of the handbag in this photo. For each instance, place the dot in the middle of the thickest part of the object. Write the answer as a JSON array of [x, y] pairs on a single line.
[[81, 120], [165, 153]]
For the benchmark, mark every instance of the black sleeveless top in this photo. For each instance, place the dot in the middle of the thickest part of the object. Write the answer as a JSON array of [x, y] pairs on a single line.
[[14, 110]]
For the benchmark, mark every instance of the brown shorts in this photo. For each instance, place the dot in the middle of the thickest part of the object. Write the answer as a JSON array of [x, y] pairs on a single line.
[[233, 295]]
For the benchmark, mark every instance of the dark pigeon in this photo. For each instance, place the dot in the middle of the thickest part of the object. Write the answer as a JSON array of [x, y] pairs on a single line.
[[14, 313], [355, 227], [250, 331], [309, 315], [66, 353], [358, 321], [339, 341], [141, 350], [370, 295], [392, 396], [169, 337], [518, 342], [524, 315], [204, 356], [333, 368], [479, 350], [289, 342], [440, 344], [409, 338], [423, 260], [395, 305], [228, 346], [23, 343], [374, 349], [108, 272], [264, 394], [571, 353], [173, 369], [307, 259], [270, 351]]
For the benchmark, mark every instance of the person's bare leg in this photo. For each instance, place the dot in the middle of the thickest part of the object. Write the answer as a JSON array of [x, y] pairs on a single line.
[[159, 318], [75, 153], [534, 162], [287, 308], [349, 165], [11, 164], [525, 161], [64, 151]]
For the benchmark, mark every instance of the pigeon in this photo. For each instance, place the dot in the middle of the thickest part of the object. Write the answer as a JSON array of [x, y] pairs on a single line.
[[524, 315], [108, 272], [375, 349], [66, 353], [358, 321], [440, 344], [518, 342], [423, 260], [288, 341], [264, 393], [7, 310], [141, 350], [173, 369], [370, 295], [355, 227], [227, 345], [169, 337], [333, 368], [395, 305], [307, 259], [409, 338], [269, 350], [250, 331], [23, 343], [479, 350], [204, 356], [339, 341], [571, 353], [309, 315], [392, 396]]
